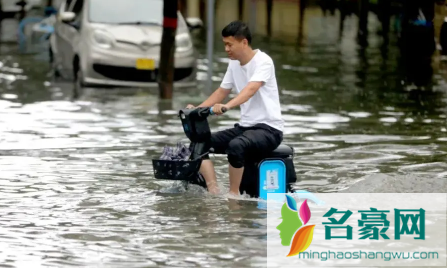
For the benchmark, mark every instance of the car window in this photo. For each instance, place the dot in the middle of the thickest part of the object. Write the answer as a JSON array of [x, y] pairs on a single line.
[[77, 6], [77, 9], [127, 12], [67, 5]]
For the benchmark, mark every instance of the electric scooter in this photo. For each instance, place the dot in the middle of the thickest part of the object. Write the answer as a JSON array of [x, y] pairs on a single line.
[[271, 172]]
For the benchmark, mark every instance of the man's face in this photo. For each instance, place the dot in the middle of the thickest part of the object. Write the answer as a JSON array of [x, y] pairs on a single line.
[[234, 47]]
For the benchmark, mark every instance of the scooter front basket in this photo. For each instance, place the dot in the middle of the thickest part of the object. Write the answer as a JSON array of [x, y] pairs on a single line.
[[176, 170]]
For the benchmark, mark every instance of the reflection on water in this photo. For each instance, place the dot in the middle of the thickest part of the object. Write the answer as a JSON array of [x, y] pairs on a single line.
[[76, 182]]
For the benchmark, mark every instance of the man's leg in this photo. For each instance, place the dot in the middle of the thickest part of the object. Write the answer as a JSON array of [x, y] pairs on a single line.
[[208, 172], [219, 141], [255, 141], [235, 178]]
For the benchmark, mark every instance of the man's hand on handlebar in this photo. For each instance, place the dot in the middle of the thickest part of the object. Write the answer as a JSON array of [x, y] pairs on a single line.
[[218, 108]]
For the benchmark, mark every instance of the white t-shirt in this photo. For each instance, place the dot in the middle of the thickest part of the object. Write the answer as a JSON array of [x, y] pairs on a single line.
[[263, 106]]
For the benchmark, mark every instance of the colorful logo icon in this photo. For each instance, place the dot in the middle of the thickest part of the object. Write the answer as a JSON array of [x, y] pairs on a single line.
[[292, 232]]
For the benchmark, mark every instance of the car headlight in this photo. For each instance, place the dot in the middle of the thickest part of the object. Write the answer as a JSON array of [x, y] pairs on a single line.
[[103, 39], [183, 42]]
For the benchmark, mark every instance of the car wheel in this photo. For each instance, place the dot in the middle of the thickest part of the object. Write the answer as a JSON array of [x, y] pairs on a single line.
[[79, 78], [79, 84], [54, 71]]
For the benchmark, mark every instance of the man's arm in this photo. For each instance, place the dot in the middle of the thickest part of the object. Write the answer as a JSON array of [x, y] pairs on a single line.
[[244, 95], [217, 97]]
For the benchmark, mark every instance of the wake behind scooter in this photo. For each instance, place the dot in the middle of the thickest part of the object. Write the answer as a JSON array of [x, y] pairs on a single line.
[[271, 172]]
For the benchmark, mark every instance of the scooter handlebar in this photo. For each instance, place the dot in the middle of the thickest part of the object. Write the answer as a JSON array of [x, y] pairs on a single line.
[[224, 110]]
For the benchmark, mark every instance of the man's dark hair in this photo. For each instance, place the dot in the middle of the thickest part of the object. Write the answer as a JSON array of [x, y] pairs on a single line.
[[238, 29]]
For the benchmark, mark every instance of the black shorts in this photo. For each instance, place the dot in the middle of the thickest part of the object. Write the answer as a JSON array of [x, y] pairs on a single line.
[[242, 142]]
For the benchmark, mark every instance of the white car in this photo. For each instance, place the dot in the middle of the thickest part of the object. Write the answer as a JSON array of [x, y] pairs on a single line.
[[117, 43]]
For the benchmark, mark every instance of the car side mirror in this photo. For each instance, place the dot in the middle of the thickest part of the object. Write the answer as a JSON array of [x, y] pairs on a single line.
[[67, 17], [194, 23]]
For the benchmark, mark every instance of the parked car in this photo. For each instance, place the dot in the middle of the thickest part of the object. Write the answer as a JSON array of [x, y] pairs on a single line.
[[11, 7], [117, 43]]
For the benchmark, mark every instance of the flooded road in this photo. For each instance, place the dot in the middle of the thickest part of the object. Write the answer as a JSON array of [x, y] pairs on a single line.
[[76, 183]]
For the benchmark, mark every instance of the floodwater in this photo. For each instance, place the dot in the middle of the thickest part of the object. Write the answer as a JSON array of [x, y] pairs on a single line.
[[76, 183]]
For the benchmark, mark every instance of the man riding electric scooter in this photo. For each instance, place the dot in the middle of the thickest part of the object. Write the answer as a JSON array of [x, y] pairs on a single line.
[[251, 73]]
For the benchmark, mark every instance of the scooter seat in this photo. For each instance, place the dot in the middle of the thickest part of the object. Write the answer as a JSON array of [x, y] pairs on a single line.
[[282, 151]]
